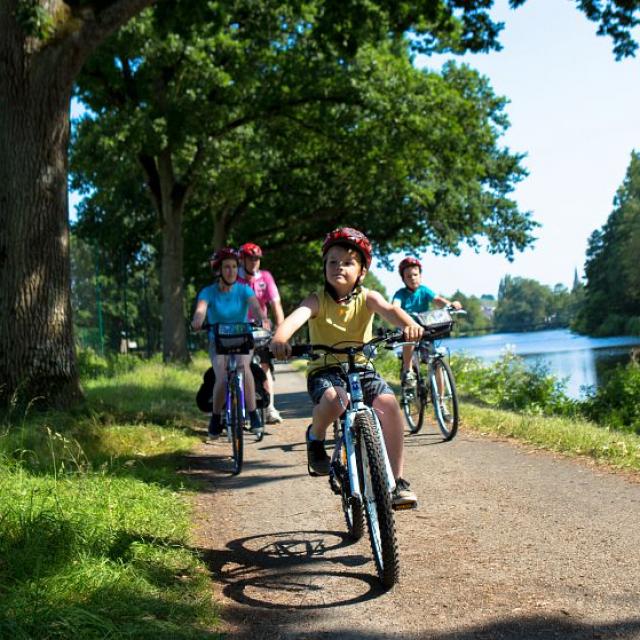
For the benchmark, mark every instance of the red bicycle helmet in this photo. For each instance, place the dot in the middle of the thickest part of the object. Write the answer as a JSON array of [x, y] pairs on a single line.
[[351, 237], [218, 256], [251, 250], [409, 261]]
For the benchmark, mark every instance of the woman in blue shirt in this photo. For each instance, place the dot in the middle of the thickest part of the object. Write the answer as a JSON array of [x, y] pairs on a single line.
[[228, 301]]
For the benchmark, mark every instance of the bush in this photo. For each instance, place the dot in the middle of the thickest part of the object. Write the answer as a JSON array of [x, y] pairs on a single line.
[[615, 403], [91, 365], [510, 384]]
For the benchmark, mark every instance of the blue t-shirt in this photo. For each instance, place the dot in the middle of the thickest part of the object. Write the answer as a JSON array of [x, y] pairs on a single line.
[[416, 301], [227, 306]]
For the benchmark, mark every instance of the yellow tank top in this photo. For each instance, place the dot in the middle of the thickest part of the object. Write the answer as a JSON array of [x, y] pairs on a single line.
[[340, 325]]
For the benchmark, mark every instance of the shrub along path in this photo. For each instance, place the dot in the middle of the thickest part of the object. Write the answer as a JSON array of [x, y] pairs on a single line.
[[508, 542]]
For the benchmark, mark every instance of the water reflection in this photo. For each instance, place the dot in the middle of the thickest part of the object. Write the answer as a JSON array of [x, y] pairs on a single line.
[[581, 360]]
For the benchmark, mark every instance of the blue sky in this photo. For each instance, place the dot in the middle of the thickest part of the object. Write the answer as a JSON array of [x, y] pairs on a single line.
[[574, 112]]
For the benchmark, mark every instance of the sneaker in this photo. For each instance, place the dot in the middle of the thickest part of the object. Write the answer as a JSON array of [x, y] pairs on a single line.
[[402, 496], [317, 458], [446, 416], [409, 380], [272, 416]]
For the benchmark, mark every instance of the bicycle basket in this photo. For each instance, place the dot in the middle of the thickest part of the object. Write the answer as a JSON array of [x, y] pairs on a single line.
[[437, 323], [233, 338]]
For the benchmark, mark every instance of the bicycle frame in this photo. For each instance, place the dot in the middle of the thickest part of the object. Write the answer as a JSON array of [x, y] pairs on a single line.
[[356, 404], [234, 375]]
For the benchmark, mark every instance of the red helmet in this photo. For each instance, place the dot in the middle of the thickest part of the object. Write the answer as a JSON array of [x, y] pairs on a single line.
[[218, 256], [251, 250], [351, 237], [409, 262]]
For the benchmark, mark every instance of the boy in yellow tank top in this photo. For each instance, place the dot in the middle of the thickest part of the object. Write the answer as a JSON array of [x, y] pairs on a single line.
[[343, 312]]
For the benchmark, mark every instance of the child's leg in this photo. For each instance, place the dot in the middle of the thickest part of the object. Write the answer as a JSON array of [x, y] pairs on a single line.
[[331, 406], [407, 354], [219, 364], [388, 411]]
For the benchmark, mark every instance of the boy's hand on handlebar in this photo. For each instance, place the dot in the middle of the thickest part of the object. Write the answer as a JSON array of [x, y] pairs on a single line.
[[456, 304], [281, 350], [412, 332]]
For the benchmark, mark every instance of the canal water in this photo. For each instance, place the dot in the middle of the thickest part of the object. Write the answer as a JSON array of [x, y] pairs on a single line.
[[580, 359]]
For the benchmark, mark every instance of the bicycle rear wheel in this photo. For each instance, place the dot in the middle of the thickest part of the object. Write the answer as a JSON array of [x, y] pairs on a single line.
[[352, 508], [413, 404], [377, 499], [236, 428], [445, 398]]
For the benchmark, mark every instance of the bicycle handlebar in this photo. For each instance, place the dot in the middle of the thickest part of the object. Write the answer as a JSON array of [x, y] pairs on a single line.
[[309, 349]]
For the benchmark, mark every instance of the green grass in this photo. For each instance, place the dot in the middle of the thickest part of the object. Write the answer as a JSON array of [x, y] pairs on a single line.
[[94, 521]]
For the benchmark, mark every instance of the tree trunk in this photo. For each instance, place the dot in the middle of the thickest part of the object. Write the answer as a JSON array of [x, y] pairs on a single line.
[[37, 356], [172, 201]]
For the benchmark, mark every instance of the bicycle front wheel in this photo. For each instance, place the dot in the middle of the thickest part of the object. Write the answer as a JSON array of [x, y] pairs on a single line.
[[377, 499], [412, 402], [236, 427], [445, 398]]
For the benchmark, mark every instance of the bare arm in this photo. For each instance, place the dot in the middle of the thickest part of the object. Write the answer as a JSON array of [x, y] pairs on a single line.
[[256, 310], [276, 307], [443, 302], [199, 315], [395, 315], [280, 346]]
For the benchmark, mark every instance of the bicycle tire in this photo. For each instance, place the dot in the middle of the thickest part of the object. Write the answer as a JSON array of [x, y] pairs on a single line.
[[351, 508], [237, 438], [377, 499], [445, 405], [413, 405]]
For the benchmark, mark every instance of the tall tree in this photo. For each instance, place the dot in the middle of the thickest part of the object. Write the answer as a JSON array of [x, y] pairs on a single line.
[[194, 96], [43, 45], [611, 296]]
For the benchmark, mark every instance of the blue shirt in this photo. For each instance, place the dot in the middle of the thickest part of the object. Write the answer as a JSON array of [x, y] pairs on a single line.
[[416, 301], [226, 306]]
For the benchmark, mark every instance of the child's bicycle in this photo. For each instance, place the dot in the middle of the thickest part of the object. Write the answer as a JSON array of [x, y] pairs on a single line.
[[434, 380], [235, 339], [360, 471]]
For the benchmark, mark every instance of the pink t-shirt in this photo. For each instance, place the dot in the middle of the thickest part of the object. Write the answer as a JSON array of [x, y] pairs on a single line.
[[263, 286]]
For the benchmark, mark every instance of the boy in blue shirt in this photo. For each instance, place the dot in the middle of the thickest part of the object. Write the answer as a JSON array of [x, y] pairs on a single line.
[[415, 297]]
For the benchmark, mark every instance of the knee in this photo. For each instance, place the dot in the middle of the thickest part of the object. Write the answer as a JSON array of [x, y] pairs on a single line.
[[386, 404], [335, 398]]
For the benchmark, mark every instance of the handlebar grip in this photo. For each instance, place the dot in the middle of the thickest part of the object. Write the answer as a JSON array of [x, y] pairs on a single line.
[[300, 350]]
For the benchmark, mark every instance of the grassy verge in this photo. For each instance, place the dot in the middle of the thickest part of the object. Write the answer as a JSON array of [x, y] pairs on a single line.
[[94, 521]]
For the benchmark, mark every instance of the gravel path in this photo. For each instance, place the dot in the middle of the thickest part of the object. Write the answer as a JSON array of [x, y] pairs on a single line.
[[508, 542]]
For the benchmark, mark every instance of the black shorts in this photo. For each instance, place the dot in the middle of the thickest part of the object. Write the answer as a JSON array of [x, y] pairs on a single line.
[[373, 384]]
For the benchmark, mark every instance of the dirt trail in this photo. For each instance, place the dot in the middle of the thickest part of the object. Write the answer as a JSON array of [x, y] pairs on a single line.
[[507, 543]]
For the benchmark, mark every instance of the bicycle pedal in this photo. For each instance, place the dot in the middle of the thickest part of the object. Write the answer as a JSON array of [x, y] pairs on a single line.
[[405, 507]]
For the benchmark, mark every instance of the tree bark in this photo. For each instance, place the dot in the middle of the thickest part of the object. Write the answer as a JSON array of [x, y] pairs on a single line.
[[174, 331], [37, 351]]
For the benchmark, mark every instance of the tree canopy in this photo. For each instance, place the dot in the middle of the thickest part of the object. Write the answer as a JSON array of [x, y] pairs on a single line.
[[239, 135]]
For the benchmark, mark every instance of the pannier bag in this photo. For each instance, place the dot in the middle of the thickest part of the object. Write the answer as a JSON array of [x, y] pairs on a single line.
[[233, 338], [437, 323], [205, 393]]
